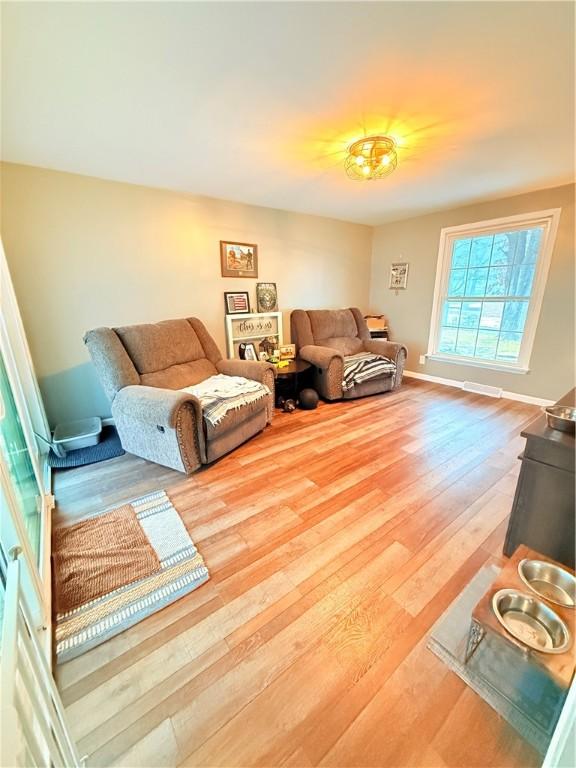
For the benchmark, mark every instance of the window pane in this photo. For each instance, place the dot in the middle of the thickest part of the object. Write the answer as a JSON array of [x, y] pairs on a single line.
[[480, 251], [514, 318], [492, 315], [457, 282], [470, 316], [461, 253], [490, 282], [448, 339], [476, 282], [17, 457], [466, 342], [451, 313], [528, 246], [486, 344], [521, 280], [497, 284], [502, 250], [509, 346]]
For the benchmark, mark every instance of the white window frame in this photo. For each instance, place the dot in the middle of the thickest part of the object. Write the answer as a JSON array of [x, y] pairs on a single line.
[[549, 220]]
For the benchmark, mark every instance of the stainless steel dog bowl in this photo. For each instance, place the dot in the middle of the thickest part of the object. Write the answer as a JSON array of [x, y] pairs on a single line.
[[531, 621], [549, 581], [561, 417]]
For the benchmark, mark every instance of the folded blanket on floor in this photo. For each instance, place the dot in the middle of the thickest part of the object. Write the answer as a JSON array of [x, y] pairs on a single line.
[[364, 366], [220, 394]]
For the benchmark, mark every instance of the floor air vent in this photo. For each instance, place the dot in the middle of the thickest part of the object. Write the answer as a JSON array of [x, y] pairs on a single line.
[[481, 389]]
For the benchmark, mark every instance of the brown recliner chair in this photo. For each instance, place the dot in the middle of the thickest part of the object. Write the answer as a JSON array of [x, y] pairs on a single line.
[[142, 367], [324, 337]]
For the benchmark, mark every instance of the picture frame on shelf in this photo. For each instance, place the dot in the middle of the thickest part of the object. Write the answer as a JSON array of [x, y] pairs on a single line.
[[238, 259], [237, 302], [287, 352], [248, 352], [266, 297]]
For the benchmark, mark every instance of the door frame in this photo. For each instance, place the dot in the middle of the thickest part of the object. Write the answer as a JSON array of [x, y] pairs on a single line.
[[26, 392]]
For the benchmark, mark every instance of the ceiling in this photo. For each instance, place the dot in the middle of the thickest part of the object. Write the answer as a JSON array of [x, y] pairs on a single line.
[[257, 102]]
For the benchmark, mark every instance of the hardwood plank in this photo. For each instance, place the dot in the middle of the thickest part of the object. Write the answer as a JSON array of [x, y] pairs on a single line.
[[335, 539]]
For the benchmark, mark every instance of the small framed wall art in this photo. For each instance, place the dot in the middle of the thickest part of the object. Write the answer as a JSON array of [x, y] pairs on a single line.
[[237, 303], [238, 259], [266, 297], [398, 275]]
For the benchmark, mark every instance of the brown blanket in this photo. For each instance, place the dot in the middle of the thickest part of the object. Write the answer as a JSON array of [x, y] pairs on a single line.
[[97, 556]]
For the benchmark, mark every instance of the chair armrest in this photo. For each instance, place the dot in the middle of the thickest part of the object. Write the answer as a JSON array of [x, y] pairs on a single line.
[[265, 373], [321, 357], [161, 425], [389, 349], [329, 365], [393, 351], [249, 369], [154, 404]]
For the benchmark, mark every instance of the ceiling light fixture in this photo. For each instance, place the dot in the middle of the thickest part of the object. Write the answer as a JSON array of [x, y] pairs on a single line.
[[371, 158]]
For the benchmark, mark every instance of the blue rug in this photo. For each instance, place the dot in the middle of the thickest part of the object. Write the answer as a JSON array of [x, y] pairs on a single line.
[[109, 447]]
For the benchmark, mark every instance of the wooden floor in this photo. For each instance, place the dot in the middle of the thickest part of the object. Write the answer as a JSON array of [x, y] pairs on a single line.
[[335, 539]]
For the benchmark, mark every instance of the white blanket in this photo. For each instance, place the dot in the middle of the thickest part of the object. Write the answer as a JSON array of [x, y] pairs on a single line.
[[220, 394]]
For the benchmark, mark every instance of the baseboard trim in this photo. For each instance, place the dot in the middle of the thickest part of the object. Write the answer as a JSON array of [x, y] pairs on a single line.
[[458, 385]]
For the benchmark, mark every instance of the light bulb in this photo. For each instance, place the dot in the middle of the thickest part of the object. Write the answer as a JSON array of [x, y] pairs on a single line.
[[366, 170], [385, 160], [360, 160]]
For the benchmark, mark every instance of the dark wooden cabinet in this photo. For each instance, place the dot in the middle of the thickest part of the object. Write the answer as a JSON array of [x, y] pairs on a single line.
[[543, 512]]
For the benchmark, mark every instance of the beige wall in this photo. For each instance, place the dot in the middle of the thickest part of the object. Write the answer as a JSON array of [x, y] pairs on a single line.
[[416, 241], [85, 252]]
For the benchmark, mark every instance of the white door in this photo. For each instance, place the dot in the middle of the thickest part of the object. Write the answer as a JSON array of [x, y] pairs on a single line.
[[33, 730]]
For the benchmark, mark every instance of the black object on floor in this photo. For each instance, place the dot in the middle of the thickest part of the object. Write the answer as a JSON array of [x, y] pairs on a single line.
[[109, 447]]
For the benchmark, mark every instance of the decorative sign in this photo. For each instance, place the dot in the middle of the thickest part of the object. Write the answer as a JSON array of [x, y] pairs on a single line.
[[263, 328], [399, 275], [255, 326], [266, 297]]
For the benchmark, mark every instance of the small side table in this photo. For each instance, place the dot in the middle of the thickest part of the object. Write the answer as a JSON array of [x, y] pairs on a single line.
[[288, 378]]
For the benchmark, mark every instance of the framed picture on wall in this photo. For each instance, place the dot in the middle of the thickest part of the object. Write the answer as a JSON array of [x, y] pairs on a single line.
[[398, 275], [238, 259], [266, 297], [237, 303]]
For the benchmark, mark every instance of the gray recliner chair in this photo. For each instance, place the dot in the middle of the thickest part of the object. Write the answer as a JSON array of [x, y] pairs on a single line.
[[142, 367], [325, 337]]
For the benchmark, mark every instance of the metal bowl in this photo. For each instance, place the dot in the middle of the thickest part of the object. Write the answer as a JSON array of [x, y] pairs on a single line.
[[549, 581], [530, 621], [561, 417]]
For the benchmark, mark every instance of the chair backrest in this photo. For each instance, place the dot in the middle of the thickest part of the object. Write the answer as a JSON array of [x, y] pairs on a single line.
[[171, 354], [342, 329]]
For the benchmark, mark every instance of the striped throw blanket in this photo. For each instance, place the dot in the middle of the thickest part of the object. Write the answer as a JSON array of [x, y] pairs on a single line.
[[364, 366], [220, 394]]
